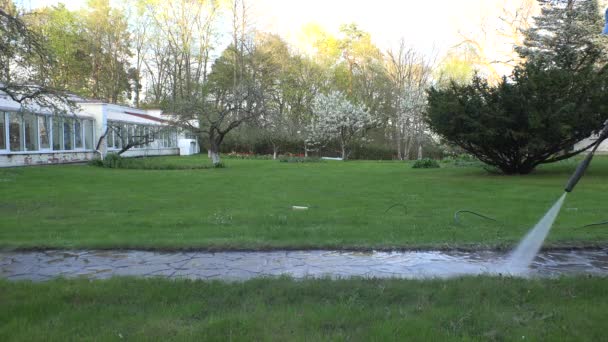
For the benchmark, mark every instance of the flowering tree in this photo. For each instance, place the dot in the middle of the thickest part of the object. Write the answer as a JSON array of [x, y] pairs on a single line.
[[336, 118]]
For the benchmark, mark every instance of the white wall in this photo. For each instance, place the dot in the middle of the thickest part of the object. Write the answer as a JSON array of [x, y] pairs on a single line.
[[45, 158], [149, 152]]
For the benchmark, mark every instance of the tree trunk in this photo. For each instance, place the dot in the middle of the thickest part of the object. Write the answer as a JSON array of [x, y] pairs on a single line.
[[344, 155], [275, 151], [398, 138], [419, 152], [306, 150], [214, 152], [407, 147], [215, 158]]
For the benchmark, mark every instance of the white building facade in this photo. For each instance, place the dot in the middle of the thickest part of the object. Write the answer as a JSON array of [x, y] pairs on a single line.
[[41, 138], [602, 149]]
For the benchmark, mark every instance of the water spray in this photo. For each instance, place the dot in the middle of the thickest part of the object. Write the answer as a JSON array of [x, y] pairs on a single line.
[[582, 167], [523, 255]]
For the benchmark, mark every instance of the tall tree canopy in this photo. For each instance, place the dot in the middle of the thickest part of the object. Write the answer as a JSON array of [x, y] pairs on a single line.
[[25, 63]]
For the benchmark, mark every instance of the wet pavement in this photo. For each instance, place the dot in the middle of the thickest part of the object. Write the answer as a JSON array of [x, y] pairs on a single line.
[[39, 266]]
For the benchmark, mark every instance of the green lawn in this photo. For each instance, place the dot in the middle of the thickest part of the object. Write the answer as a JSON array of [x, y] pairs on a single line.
[[475, 308], [248, 205]]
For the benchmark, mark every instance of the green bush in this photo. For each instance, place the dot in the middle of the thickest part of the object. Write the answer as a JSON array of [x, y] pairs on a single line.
[[114, 161], [96, 162], [426, 164]]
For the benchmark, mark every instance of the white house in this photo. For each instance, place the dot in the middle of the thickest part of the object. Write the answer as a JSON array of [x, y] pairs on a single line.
[[42, 138], [602, 149]]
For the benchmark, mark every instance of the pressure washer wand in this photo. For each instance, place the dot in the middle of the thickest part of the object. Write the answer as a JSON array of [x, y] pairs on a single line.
[[580, 170]]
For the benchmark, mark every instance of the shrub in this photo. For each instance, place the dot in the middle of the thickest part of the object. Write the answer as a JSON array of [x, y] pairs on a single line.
[[96, 162], [114, 161], [462, 160], [426, 164]]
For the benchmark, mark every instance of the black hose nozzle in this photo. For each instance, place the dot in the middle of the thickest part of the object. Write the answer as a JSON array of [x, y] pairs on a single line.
[[582, 167]]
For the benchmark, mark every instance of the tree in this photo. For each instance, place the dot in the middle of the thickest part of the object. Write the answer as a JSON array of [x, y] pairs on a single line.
[[65, 33], [91, 48], [25, 62], [554, 100], [109, 43], [177, 54], [534, 118], [457, 66], [234, 92], [335, 117], [273, 56], [566, 35], [490, 49], [410, 75]]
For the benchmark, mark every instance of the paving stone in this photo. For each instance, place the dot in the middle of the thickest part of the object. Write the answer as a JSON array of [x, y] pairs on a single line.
[[238, 266]]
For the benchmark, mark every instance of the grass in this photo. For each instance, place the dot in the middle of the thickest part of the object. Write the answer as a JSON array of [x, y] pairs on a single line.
[[247, 205], [474, 308]]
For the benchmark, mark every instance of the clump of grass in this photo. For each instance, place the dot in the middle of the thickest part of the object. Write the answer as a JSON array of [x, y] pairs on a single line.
[[300, 160], [236, 155], [426, 163]]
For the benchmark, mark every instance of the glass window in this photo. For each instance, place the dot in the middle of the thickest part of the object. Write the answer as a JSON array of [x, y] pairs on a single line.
[[110, 135], [173, 138], [68, 134], [88, 134], [121, 134], [30, 123], [44, 125], [139, 136], [57, 134], [15, 132], [78, 134], [131, 134], [2, 131], [147, 135]]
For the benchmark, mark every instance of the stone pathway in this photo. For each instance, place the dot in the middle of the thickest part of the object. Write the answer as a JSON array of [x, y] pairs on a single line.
[[45, 265]]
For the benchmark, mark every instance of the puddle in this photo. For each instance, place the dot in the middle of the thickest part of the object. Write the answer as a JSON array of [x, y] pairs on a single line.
[[231, 266]]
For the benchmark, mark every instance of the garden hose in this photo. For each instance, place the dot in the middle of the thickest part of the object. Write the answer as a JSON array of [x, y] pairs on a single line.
[[594, 224], [395, 205], [456, 216]]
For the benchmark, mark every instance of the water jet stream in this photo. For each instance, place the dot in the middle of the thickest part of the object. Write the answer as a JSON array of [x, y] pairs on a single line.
[[523, 255]]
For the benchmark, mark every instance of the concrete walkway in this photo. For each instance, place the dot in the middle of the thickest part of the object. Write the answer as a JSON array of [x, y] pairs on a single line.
[[93, 264]]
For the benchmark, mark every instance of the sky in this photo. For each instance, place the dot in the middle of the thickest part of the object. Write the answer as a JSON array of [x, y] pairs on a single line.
[[431, 26], [427, 25]]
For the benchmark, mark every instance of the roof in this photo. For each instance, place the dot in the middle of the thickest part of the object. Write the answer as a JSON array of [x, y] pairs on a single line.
[[148, 117]]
